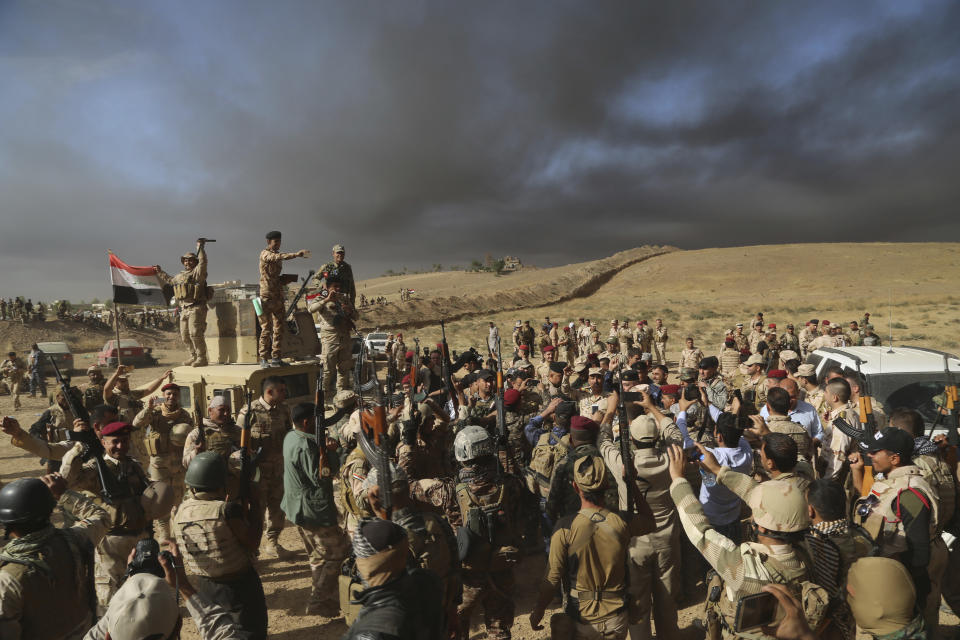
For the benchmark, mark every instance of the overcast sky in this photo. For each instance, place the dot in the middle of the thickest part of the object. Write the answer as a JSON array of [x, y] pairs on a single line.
[[436, 132]]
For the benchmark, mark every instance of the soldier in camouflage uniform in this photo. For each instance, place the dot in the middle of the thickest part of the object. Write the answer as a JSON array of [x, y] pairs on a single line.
[[93, 390], [489, 537], [166, 459], [789, 341], [12, 370], [56, 422], [269, 423], [808, 335], [272, 324], [340, 269], [562, 500], [690, 357], [712, 383], [779, 517], [854, 337], [190, 290], [336, 318], [753, 386], [660, 338], [219, 541]]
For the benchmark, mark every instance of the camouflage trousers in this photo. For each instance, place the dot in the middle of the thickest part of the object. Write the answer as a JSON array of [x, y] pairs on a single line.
[[14, 387], [612, 627], [271, 327], [939, 559], [193, 324], [654, 584], [167, 468], [327, 547], [494, 591], [336, 358], [437, 495], [110, 565], [270, 495], [659, 353]]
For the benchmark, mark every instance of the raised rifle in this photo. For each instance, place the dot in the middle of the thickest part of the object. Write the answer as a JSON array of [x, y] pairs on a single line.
[[445, 368], [501, 411], [247, 462], [296, 298], [950, 401], [92, 447], [635, 503], [320, 430], [372, 438], [201, 434], [869, 422]]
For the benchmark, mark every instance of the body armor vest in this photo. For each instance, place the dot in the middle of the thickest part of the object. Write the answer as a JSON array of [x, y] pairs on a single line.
[[210, 547], [880, 516]]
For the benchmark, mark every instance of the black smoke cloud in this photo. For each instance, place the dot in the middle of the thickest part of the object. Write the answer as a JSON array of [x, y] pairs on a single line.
[[425, 132]]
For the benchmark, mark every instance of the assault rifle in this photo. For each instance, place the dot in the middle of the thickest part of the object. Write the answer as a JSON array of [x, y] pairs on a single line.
[[635, 502], [248, 463], [320, 429], [92, 447], [501, 411], [296, 298], [869, 422], [372, 438], [950, 401], [201, 434], [445, 368]]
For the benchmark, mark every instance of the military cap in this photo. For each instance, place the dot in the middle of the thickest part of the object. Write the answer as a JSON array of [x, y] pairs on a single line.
[[144, 607], [772, 325], [790, 325], [614, 321], [595, 371], [170, 385], [630, 374], [523, 347], [93, 369], [754, 359], [517, 324], [484, 374], [643, 429], [688, 375], [187, 256], [645, 358], [547, 348], [338, 248], [582, 423], [730, 342], [590, 473], [868, 326], [710, 362], [670, 389], [343, 398], [777, 374], [779, 506], [273, 235], [557, 367], [806, 371], [566, 328], [524, 365], [814, 321], [611, 340], [788, 354], [511, 397], [826, 323], [566, 408], [407, 379], [220, 401], [758, 323], [889, 439], [116, 429], [739, 324]]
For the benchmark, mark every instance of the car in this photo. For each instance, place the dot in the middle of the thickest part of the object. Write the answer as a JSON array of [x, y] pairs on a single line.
[[376, 343], [896, 376], [60, 353], [131, 352]]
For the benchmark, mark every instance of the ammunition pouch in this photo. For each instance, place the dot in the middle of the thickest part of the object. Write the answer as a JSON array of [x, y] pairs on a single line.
[[156, 443], [185, 292], [349, 586]]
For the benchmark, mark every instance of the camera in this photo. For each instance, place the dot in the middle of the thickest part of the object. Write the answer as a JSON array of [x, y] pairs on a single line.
[[691, 392], [146, 558]]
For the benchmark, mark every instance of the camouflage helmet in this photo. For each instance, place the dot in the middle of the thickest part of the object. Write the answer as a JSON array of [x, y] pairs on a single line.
[[473, 442], [779, 506], [179, 433], [207, 472], [188, 256]]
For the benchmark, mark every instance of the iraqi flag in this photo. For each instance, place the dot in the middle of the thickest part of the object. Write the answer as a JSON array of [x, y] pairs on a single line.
[[136, 285]]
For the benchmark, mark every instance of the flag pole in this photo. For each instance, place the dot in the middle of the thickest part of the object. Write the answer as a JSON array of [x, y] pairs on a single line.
[[116, 323]]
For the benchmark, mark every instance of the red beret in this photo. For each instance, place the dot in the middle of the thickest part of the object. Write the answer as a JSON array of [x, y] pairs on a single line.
[[827, 322], [745, 352], [523, 347], [409, 355], [671, 389], [116, 429], [779, 374], [772, 325], [399, 335], [549, 347], [580, 423], [511, 397], [566, 328], [406, 379], [169, 385]]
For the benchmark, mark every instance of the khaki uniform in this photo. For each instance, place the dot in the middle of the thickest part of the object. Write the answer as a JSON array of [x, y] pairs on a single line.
[[568, 347], [790, 342], [815, 399], [753, 339], [46, 594], [755, 388], [625, 338], [272, 302], [839, 443], [268, 426], [729, 362], [166, 460], [690, 358], [335, 321], [127, 518], [741, 341], [345, 272], [797, 433], [353, 497], [805, 338], [588, 554], [660, 338], [92, 395], [190, 290], [12, 370], [543, 340]]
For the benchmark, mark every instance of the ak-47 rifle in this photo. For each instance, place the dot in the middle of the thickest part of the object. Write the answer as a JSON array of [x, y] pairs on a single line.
[[201, 434], [247, 462], [296, 298], [92, 447], [373, 438], [445, 368], [501, 411], [950, 401], [869, 422], [635, 504], [320, 429]]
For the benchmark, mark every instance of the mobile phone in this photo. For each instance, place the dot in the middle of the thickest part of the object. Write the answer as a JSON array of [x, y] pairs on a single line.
[[593, 408], [633, 396], [757, 610], [695, 455]]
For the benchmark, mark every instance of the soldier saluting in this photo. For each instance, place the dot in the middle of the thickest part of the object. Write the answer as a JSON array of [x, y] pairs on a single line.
[[190, 290]]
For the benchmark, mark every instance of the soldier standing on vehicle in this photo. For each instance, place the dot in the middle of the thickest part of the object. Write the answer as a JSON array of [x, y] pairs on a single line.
[[161, 425], [343, 271], [219, 541], [190, 290], [272, 325], [44, 569], [270, 421], [308, 502], [129, 497], [337, 317], [12, 369]]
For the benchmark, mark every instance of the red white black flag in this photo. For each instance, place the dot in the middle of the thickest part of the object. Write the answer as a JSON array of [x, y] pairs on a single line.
[[136, 285]]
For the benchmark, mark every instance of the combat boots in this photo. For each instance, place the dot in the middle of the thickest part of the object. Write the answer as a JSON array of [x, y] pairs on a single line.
[[199, 362], [189, 361], [275, 549]]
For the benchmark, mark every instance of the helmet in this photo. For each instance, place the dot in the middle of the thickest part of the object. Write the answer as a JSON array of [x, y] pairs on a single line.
[[26, 501], [157, 500], [779, 506], [344, 398], [473, 442], [179, 433], [188, 256], [207, 472]]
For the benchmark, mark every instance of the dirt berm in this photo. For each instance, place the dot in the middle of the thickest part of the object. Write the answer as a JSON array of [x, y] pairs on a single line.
[[522, 290]]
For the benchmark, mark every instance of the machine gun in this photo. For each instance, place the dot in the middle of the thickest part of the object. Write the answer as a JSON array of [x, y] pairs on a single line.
[[296, 298], [320, 430], [92, 447], [445, 368]]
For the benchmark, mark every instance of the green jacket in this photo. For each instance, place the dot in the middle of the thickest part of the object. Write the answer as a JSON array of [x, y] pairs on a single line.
[[307, 498]]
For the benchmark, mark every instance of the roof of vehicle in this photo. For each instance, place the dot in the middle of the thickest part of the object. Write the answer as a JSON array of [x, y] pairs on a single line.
[[53, 347], [235, 374], [880, 360], [378, 336], [124, 344]]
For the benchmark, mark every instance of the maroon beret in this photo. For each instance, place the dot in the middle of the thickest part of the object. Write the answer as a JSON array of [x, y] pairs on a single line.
[[549, 347], [670, 389], [406, 379], [523, 347], [409, 355], [116, 429], [511, 397], [169, 385], [778, 374], [581, 423]]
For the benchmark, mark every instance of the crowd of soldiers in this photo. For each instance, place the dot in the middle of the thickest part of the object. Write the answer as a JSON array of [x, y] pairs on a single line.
[[20, 310], [418, 500]]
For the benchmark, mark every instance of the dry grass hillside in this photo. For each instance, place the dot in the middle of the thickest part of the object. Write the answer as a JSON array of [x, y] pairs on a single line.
[[701, 293]]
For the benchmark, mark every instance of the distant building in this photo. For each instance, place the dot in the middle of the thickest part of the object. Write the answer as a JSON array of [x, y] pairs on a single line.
[[234, 290], [512, 263]]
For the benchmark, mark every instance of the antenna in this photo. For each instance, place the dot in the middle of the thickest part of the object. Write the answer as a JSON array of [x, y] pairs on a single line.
[[890, 319]]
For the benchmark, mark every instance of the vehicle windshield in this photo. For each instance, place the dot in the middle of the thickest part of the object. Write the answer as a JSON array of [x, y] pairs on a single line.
[[125, 344], [53, 347], [377, 336], [918, 396]]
